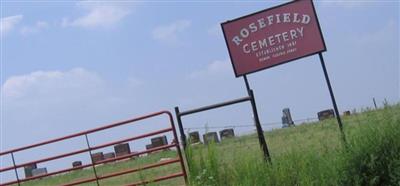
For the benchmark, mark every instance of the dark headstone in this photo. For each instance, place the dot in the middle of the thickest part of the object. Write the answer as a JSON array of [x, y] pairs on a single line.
[[347, 113], [287, 120], [98, 156], [326, 114], [122, 149], [194, 137], [209, 137], [28, 170], [149, 146], [159, 141], [109, 155], [76, 163], [226, 133], [39, 171]]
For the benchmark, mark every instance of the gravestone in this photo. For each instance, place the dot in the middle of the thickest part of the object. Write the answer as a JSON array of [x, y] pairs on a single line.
[[76, 163], [226, 133], [28, 170], [347, 113], [194, 137], [98, 156], [39, 171], [287, 120], [109, 155], [122, 149], [209, 137], [159, 141], [326, 114], [148, 147]]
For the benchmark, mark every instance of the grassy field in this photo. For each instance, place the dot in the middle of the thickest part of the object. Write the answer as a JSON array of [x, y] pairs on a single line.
[[309, 154], [148, 174]]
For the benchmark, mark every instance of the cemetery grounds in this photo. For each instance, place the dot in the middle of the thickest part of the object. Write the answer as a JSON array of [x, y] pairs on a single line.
[[308, 154]]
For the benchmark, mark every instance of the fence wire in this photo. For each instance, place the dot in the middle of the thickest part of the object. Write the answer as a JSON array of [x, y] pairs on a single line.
[[251, 124]]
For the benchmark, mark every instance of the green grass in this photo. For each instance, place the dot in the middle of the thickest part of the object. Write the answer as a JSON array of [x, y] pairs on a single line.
[[309, 154], [148, 174]]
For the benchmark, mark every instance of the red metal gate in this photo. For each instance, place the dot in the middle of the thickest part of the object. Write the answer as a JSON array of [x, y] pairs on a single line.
[[174, 144]]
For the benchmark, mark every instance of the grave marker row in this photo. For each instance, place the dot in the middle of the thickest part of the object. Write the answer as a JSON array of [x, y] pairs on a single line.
[[39, 171], [157, 142], [28, 170], [32, 170], [326, 114], [194, 137], [119, 150]]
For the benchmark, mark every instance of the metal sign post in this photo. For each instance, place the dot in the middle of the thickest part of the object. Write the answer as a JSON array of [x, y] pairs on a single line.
[[273, 37], [332, 97], [260, 132]]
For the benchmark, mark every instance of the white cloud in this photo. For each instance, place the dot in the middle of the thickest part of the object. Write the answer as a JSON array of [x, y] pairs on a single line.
[[215, 68], [169, 33], [99, 14], [8, 23], [40, 25], [46, 84], [56, 103]]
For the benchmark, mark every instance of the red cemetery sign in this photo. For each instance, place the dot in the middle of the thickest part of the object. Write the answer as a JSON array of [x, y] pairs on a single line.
[[273, 36]]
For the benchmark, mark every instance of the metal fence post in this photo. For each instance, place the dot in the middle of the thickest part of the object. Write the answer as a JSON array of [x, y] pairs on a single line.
[[91, 160], [179, 120], [15, 169]]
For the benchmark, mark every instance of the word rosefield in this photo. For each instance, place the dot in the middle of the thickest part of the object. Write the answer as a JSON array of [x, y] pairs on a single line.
[[273, 36]]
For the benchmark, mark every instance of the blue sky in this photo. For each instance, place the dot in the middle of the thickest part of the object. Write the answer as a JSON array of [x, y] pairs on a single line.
[[71, 66]]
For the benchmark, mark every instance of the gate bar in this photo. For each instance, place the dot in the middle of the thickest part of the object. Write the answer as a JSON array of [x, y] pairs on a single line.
[[171, 119], [124, 172], [97, 163], [86, 132], [86, 150], [214, 106], [201, 109], [159, 179]]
